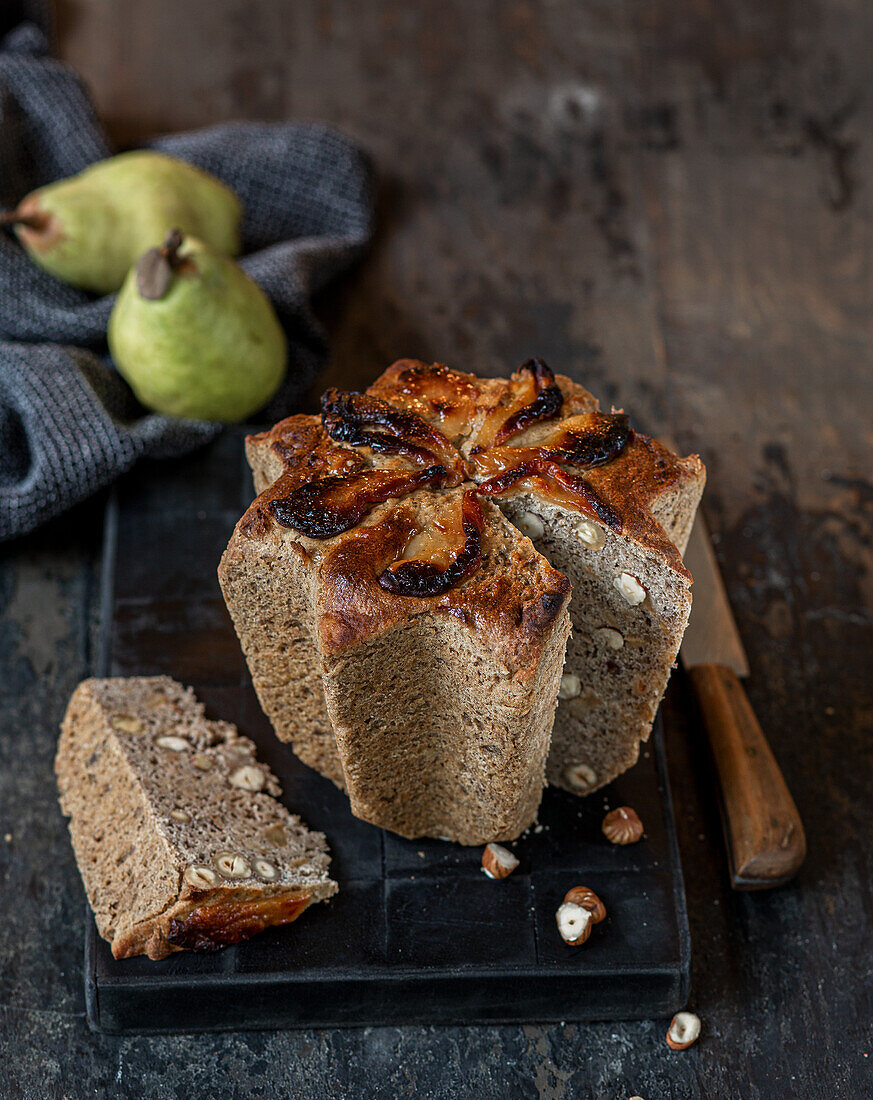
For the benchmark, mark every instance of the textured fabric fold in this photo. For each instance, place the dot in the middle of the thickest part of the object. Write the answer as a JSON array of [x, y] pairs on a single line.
[[68, 423]]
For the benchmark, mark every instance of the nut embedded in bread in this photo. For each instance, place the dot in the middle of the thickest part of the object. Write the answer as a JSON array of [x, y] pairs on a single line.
[[178, 834], [408, 641]]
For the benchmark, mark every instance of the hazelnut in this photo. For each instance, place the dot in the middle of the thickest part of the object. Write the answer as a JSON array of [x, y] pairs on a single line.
[[571, 686], [233, 865], [622, 826], [683, 1031], [200, 877], [497, 861], [530, 524], [182, 816], [574, 923], [125, 723], [248, 778], [580, 777], [265, 869], [276, 836], [630, 588], [174, 744], [590, 534], [202, 761], [584, 896], [608, 637]]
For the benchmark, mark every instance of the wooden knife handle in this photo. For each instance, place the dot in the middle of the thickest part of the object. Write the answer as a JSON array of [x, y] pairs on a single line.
[[764, 834]]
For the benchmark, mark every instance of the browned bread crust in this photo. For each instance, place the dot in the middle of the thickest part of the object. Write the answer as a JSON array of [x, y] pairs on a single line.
[[179, 837], [631, 483], [312, 472]]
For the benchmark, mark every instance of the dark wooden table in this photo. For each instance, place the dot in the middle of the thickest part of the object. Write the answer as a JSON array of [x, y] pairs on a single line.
[[672, 203]]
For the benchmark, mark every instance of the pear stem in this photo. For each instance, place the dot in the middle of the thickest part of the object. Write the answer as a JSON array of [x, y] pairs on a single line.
[[32, 221], [170, 249], [154, 269]]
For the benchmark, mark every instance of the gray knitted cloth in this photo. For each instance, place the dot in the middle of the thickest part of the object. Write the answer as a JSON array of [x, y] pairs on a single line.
[[68, 422]]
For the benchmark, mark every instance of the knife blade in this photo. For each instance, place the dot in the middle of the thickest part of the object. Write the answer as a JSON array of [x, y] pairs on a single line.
[[711, 637], [763, 832]]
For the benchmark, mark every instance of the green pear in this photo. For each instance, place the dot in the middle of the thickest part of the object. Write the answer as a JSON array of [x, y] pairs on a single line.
[[89, 229], [194, 335]]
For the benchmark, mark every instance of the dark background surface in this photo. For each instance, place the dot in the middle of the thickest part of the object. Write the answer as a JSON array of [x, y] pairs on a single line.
[[672, 203]]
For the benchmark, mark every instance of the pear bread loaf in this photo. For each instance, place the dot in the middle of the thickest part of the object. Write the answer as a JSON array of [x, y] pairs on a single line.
[[385, 605], [176, 827]]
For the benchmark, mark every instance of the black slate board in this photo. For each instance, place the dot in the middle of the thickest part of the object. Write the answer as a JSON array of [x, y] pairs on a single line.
[[417, 933]]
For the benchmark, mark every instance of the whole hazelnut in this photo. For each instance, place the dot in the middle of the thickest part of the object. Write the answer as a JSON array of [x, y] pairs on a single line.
[[584, 896], [622, 826]]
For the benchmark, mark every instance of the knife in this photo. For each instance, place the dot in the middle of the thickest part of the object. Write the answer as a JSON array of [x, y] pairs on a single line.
[[763, 831]]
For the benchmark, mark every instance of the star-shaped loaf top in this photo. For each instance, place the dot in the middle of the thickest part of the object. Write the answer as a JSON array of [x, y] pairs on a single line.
[[402, 477]]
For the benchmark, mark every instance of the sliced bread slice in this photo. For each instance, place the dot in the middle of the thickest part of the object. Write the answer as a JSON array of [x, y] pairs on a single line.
[[176, 827]]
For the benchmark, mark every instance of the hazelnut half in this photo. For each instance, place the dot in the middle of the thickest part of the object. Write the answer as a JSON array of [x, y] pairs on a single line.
[[265, 869], [530, 524], [126, 723], [497, 861], [276, 836], [585, 896], [622, 826], [200, 877], [571, 686], [683, 1031], [608, 637], [630, 588], [248, 778], [574, 923], [233, 865], [580, 777], [174, 744], [591, 534]]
